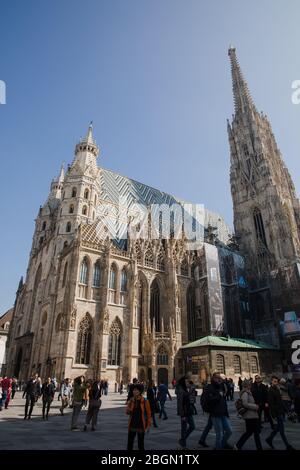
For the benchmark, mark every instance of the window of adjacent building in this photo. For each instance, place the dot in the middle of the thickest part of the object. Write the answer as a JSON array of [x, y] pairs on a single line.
[[114, 343], [254, 365], [84, 340], [97, 275], [83, 276], [220, 364], [237, 364], [162, 358]]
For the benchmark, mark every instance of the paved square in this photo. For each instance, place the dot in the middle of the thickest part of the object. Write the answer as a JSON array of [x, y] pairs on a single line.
[[36, 434]]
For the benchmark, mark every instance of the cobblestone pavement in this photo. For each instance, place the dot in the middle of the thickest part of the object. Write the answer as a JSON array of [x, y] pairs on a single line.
[[111, 434]]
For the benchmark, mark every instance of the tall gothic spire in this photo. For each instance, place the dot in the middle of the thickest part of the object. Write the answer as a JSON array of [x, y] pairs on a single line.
[[241, 94]]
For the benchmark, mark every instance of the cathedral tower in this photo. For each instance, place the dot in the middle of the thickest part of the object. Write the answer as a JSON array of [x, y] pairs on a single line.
[[266, 209]]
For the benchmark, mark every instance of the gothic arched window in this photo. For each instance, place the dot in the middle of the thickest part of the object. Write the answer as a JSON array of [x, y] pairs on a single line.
[[84, 210], [149, 259], [97, 275], [191, 314], [65, 275], [259, 226], [162, 357], [155, 305], [83, 276], [114, 343], [71, 209], [74, 192], [124, 280], [113, 277], [86, 194], [84, 340], [160, 261]]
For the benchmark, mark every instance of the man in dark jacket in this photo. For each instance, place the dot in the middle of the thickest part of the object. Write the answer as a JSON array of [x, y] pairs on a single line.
[[260, 394], [277, 413], [214, 402], [31, 393], [297, 398], [48, 392]]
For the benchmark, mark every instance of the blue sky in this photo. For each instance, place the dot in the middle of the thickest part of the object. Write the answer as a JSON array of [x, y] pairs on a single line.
[[154, 77]]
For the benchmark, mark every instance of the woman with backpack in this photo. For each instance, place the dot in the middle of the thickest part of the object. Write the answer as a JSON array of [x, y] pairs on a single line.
[[248, 410]]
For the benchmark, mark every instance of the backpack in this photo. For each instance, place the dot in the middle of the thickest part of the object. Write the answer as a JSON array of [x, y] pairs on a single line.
[[241, 410]]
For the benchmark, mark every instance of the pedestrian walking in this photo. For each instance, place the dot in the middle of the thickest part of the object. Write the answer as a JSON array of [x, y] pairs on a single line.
[[65, 393], [162, 394], [78, 394], [30, 393], [193, 396], [250, 415], [214, 402], [48, 391], [139, 411], [153, 402], [277, 413], [14, 388], [260, 394], [94, 406], [184, 410]]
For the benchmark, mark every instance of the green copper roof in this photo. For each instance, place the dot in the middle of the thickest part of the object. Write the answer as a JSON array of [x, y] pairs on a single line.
[[228, 343]]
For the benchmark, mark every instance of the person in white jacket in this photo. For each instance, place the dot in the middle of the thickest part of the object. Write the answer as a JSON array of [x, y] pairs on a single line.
[[250, 416]]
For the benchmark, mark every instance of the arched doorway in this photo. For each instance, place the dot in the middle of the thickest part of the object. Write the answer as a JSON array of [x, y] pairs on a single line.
[[162, 376], [18, 363]]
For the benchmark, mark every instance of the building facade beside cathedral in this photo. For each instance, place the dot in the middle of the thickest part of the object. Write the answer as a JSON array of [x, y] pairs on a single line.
[[122, 307]]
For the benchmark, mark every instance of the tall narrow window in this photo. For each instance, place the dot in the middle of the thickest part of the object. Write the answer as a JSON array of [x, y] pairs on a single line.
[[84, 210], [44, 226], [184, 268], [114, 343], [112, 277], [155, 305], [124, 280], [83, 277], [259, 226], [74, 192], [254, 365], [220, 364], [97, 275], [68, 227], [160, 261], [71, 209], [84, 340], [86, 194], [237, 364], [149, 259]]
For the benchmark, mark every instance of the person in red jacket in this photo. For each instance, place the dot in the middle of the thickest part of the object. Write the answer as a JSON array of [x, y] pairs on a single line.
[[6, 391], [139, 411]]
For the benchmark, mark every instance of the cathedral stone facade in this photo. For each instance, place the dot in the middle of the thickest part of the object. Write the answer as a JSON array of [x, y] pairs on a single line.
[[266, 213], [123, 306]]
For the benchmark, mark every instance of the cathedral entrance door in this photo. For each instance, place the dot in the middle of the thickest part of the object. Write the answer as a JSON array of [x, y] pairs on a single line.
[[162, 376]]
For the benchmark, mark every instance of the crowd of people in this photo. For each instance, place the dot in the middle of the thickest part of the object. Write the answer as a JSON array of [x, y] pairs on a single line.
[[257, 404]]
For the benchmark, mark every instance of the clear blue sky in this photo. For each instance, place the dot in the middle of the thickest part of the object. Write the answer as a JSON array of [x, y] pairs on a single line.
[[154, 77]]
